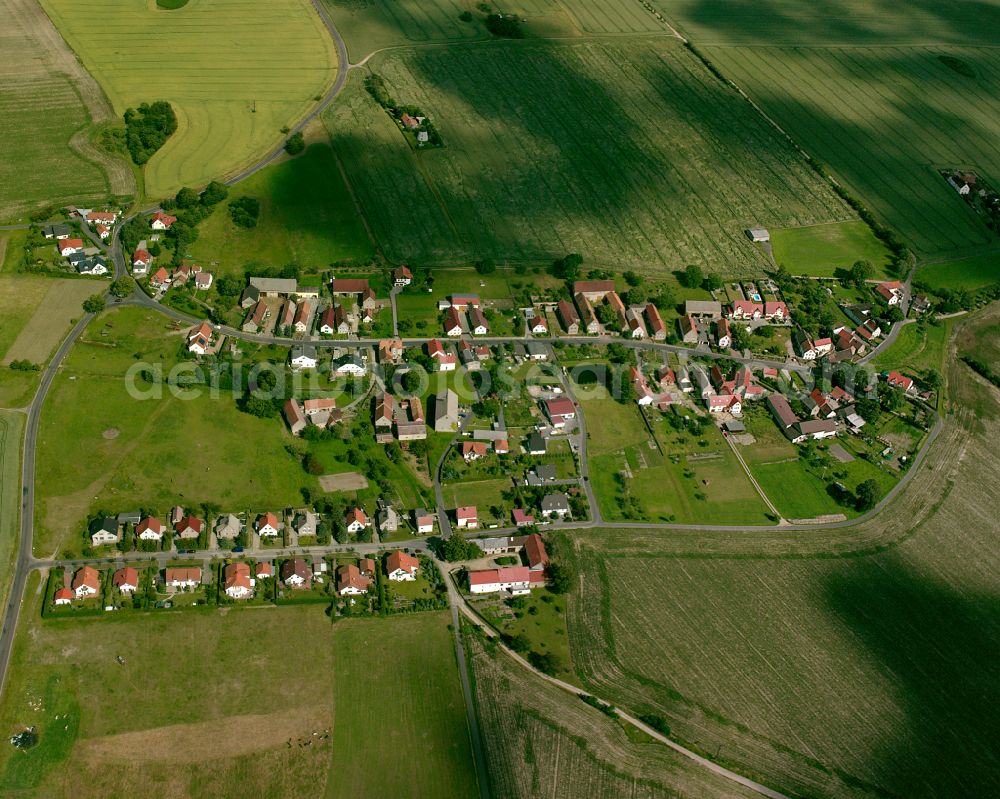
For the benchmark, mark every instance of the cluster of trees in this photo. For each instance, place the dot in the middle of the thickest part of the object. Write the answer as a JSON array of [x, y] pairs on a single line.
[[505, 26], [296, 143], [148, 128], [455, 547], [244, 211], [979, 366], [567, 268], [22, 365]]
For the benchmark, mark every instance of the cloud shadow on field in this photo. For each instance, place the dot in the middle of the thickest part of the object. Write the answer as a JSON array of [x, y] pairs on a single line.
[[941, 648]]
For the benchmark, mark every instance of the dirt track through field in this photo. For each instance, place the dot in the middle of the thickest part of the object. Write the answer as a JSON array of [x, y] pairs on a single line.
[[227, 737], [62, 304]]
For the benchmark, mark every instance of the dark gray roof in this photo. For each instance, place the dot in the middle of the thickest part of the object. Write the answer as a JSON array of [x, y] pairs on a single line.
[[555, 502], [546, 471], [109, 524], [58, 229], [536, 442]]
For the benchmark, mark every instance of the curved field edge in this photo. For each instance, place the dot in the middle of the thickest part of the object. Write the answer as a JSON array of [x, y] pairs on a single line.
[[49, 108], [839, 663], [227, 73]]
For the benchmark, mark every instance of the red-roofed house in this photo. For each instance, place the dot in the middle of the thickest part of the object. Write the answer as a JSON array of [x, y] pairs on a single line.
[[466, 517], [776, 311], [162, 221], [473, 450], [534, 552], [268, 525], [898, 380], [348, 285], [238, 583], [126, 580], [452, 322], [569, 317], [689, 329], [399, 566], [141, 261], [63, 596], [102, 217], [264, 571], [189, 527], [745, 309], [516, 579], [657, 329], [463, 301], [891, 291], [350, 581], [149, 529], [402, 276], [356, 520], [86, 582], [182, 576], [69, 246], [522, 519], [160, 278], [560, 410]]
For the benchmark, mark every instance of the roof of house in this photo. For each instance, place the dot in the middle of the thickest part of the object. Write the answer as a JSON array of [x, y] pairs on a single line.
[[237, 575], [296, 567], [183, 574], [466, 512], [555, 502], [534, 550], [702, 308], [128, 575], [192, 522], [350, 576], [452, 319], [593, 286], [149, 523], [400, 560], [166, 219], [780, 407], [520, 517], [348, 285], [87, 576], [508, 574], [560, 406], [357, 515]]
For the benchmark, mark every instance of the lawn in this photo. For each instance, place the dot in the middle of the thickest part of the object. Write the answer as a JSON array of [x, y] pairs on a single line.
[[969, 273], [401, 726], [481, 493], [307, 217], [918, 347], [20, 297], [226, 73], [48, 159], [806, 660], [883, 120], [626, 153], [11, 428], [822, 250]]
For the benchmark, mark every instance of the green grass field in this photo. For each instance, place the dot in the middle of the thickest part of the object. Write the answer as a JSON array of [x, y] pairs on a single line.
[[226, 72], [883, 119], [307, 217], [918, 347], [48, 158], [970, 273], [550, 138], [11, 429], [400, 726], [843, 663], [821, 250]]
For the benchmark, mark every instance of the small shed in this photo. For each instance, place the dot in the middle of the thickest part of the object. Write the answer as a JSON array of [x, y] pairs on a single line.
[[758, 234]]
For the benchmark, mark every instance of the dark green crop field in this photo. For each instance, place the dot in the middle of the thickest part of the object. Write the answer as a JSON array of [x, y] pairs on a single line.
[[627, 153]]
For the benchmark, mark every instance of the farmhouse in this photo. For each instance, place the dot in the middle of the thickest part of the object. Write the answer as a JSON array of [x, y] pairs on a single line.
[[782, 412], [301, 320], [891, 291], [709, 310], [423, 521], [293, 416], [588, 317], [348, 286], [268, 287], [815, 429], [402, 276], [515, 579], [464, 301], [688, 329], [255, 319], [568, 317], [657, 329], [445, 411], [521, 519], [400, 566], [86, 582], [534, 552], [560, 410], [897, 380], [478, 325], [452, 322], [237, 581], [593, 290]]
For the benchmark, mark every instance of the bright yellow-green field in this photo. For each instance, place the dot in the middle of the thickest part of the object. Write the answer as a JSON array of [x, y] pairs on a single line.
[[234, 77]]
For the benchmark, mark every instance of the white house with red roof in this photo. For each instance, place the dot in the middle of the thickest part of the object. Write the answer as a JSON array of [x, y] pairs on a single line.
[[898, 380], [160, 279], [466, 517], [356, 520], [126, 580], [86, 582], [446, 361], [268, 525], [162, 221], [402, 276], [149, 529], [452, 322], [400, 566], [69, 246], [515, 579], [891, 291], [141, 261], [203, 281], [522, 519], [237, 580], [560, 410]]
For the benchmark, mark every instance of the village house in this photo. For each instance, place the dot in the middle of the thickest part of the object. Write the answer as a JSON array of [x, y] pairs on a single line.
[[390, 350], [588, 316], [180, 577], [478, 325], [141, 261], [635, 328], [268, 525], [473, 450], [302, 314], [688, 329], [162, 221], [264, 570], [58, 231], [293, 416], [452, 322], [538, 326], [593, 290], [522, 519], [466, 517], [199, 339], [560, 410], [349, 365], [540, 474], [723, 334], [149, 529], [445, 411], [237, 580], [423, 521], [303, 356], [555, 505], [891, 291], [348, 286], [86, 582], [400, 566], [63, 596], [305, 523], [463, 302], [536, 444], [657, 328], [228, 527], [402, 276], [189, 527], [254, 321], [897, 380], [203, 281], [356, 520], [351, 582], [568, 317], [387, 520], [104, 532], [69, 246], [446, 361], [703, 310], [295, 574]]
